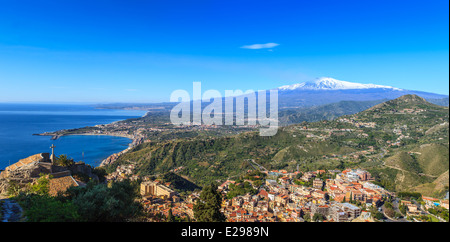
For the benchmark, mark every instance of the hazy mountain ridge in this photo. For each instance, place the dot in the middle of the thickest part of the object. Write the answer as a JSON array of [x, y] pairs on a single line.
[[308, 94]]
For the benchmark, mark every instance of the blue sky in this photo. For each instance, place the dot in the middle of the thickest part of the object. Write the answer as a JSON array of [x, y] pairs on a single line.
[[141, 51]]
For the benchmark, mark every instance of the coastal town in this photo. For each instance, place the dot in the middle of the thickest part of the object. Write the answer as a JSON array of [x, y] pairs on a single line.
[[279, 196]]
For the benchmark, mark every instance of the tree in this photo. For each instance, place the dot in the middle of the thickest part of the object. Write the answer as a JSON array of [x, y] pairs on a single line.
[[44, 208], [307, 217], [115, 202], [318, 217], [170, 217], [207, 208], [403, 209], [389, 211], [13, 188], [376, 214], [41, 186], [101, 173], [63, 160], [39, 206], [257, 183]]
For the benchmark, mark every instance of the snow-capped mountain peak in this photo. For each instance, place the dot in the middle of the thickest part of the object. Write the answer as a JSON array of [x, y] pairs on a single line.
[[327, 83]]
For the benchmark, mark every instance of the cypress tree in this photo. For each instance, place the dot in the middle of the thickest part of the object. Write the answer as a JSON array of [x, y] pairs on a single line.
[[207, 209]]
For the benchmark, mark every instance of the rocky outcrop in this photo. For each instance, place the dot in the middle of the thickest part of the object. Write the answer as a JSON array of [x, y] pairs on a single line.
[[27, 170], [112, 158], [29, 167]]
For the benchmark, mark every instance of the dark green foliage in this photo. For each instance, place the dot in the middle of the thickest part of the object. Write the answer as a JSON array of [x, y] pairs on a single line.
[[207, 209], [179, 183], [440, 212], [170, 217], [240, 189], [384, 177], [92, 203], [103, 203], [63, 160], [43, 208], [101, 173], [403, 209], [81, 177], [318, 217], [376, 214], [409, 195], [38, 206]]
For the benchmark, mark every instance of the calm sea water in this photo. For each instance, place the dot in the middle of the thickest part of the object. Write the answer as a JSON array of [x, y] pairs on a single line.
[[18, 123]]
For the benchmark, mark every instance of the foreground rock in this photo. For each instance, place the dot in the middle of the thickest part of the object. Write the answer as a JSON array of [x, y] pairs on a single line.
[[28, 170]]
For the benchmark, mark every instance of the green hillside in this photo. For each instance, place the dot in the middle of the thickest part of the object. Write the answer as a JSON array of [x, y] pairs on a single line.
[[323, 112], [403, 142], [421, 156]]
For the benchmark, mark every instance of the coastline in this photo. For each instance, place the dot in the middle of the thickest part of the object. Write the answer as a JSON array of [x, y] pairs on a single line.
[[112, 157], [136, 139], [55, 137]]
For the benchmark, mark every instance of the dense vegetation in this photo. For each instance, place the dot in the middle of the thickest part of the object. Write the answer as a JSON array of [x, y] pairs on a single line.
[[440, 212], [323, 112], [207, 208], [179, 183], [240, 190], [95, 202]]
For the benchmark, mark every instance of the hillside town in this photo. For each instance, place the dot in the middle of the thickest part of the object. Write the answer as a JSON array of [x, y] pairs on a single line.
[[350, 196]]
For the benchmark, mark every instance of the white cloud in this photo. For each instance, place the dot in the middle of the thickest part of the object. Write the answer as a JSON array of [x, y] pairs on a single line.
[[260, 46]]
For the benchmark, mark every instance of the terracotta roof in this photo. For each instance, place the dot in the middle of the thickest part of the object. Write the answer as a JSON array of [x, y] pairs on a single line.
[[429, 198], [263, 193], [61, 184]]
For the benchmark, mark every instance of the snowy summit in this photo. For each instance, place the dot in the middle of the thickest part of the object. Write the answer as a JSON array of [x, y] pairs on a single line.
[[327, 83]]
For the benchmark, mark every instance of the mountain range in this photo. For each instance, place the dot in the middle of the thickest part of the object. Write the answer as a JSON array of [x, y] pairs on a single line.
[[328, 90], [328, 83], [319, 92]]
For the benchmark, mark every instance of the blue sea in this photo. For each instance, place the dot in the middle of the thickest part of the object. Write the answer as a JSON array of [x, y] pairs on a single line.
[[18, 123]]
